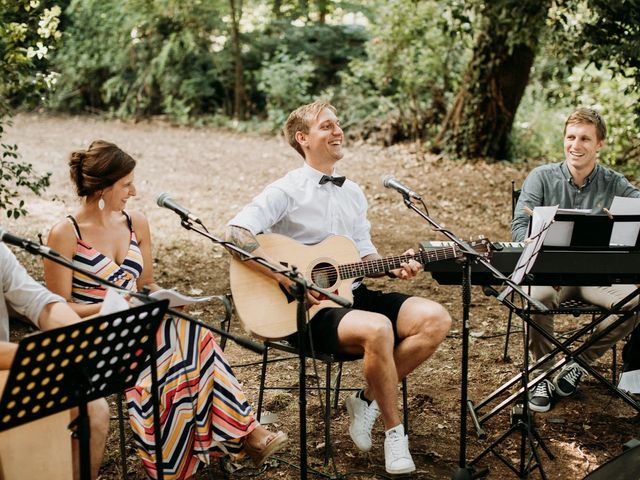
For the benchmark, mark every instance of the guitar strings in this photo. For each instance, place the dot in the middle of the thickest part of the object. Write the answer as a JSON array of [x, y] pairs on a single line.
[[422, 254]]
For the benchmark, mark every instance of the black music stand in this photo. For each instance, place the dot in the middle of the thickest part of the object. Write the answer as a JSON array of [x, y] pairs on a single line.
[[592, 231], [70, 366], [586, 232]]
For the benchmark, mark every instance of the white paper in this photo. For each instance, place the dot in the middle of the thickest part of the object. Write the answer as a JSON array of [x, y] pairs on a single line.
[[113, 302], [625, 233], [630, 381], [177, 299], [541, 221], [559, 234]]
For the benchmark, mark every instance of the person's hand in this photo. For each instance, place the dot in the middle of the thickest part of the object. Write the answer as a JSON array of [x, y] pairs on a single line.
[[408, 270], [313, 297]]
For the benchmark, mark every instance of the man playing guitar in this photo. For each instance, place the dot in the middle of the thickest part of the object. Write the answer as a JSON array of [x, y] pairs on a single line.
[[394, 332]]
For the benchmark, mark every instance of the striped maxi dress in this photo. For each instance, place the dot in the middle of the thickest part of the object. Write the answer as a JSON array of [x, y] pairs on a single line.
[[203, 410]]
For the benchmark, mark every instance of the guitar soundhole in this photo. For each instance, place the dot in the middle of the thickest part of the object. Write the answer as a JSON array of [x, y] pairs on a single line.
[[324, 275]]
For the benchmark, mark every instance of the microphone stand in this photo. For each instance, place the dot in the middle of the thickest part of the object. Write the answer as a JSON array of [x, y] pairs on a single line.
[[50, 254], [54, 256], [465, 471], [299, 290]]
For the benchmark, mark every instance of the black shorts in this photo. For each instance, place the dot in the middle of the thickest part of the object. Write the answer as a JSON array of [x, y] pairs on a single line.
[[324, 324]]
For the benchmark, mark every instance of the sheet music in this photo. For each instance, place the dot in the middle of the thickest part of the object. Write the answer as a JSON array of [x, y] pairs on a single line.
[[113, 302], [541, 220], [560, 233], [625, 233], [630, 381]]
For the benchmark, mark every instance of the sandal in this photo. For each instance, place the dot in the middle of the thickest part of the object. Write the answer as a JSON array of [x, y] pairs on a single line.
[[274, 443]]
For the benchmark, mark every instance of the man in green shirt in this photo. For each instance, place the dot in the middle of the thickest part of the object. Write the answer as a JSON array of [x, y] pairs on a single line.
[[578, 182]]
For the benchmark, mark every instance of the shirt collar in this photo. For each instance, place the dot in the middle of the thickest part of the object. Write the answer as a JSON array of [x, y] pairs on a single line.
[[567, 174], [313, 174]]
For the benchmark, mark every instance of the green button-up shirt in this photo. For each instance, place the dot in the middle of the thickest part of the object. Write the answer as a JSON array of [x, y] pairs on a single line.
[[552, 184]]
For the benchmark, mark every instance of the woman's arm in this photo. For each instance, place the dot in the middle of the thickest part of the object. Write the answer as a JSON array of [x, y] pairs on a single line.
[[143, 234], [59, 278]]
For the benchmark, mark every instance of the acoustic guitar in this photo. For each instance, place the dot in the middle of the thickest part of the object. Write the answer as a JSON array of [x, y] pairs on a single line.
[[268, 310]]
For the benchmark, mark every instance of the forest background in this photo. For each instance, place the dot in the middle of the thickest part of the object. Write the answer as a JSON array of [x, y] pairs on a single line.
[[466, 79]]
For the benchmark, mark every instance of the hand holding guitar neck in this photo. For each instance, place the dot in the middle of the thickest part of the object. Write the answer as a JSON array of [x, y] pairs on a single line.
[[267, 308]]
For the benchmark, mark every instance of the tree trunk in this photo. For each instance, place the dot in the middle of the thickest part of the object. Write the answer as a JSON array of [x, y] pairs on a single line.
[[322, 11], [277, 9], [479, 123], [239, 93]]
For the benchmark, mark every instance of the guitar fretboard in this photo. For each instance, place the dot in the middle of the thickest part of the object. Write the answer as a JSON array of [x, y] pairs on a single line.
[[361, 269]]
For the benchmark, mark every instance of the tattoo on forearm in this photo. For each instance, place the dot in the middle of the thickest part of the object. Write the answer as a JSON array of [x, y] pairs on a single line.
[[241, 237]]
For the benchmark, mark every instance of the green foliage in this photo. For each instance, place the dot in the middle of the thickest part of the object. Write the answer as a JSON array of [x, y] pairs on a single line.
[[565, 78], [14, 176], [285, 81], [613, 39], [28, 33], [506, 42], [395, 73], [414, 59], [140, 57], [149, 57], [540, 120], [327, 49]]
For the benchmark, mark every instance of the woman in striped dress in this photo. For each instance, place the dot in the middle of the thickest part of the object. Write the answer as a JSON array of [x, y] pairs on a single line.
[[204, 411]]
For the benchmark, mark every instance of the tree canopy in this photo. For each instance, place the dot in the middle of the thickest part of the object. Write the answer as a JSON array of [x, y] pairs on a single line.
[[28, 34], [469, 79]]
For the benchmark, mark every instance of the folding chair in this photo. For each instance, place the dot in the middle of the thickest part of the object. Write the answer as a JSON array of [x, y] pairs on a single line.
[[329, 360]]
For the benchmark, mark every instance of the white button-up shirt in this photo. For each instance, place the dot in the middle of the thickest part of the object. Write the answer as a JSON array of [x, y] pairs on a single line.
[[22, 292], [300, 208]]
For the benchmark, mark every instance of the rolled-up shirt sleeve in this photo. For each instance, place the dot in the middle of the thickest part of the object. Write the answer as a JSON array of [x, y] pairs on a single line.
[[264, 211], [23, 293]]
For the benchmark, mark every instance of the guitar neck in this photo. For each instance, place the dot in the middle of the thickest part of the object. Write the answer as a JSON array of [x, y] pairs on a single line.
[[381, 265]]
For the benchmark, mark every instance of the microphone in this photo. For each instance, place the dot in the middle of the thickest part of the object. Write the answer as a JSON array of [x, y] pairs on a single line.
[[164, 200], [389, 181], [28, 245]]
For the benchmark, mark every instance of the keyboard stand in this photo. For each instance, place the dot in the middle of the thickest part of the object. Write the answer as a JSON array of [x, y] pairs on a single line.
[[560, 347]]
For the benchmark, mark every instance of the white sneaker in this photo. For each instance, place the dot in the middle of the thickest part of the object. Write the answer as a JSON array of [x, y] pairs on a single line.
[[397, 458], [362, 416]]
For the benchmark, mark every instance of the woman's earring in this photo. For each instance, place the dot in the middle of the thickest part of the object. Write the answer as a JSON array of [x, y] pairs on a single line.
[[101, 203]]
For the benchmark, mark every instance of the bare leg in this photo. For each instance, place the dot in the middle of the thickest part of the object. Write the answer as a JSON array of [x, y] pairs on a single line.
[[371, 334], [99, 416], [422, 326]]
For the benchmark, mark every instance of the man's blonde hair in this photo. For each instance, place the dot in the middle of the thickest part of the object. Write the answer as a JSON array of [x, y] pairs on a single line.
[[588, 115], [300, 119]]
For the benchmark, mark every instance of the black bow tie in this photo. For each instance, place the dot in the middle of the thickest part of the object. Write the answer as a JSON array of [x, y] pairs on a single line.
[[337, 181]]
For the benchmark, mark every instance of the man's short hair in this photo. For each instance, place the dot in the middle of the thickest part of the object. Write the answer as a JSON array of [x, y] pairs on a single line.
[[300, 119], [588, 115]]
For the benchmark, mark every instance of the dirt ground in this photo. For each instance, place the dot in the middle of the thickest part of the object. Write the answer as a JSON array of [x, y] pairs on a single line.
[[214, 173]]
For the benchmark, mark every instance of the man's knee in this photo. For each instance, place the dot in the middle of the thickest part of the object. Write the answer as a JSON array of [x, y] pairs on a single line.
[[378, 330], [434, 320], [545, 294], [442, 319]]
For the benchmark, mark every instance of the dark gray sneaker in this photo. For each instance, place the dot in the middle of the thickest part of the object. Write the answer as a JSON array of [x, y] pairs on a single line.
[[540, 396], [566, 382]]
